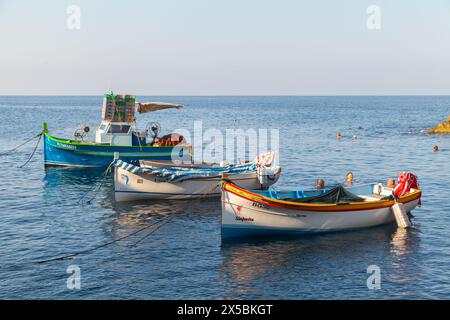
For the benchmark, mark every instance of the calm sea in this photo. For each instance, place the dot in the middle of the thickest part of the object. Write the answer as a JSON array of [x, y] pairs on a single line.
[[40, 216]]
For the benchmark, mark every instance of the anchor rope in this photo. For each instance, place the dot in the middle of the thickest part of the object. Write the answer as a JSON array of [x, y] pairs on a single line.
[[21, 145], [161, 221]]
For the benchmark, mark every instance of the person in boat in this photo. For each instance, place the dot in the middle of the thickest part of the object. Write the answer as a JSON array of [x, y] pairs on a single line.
[[350, 178], [320, 184], [391, 183]]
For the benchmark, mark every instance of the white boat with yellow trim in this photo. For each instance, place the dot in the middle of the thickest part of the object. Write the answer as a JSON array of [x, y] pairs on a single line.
[[251, 213], [144, 182]]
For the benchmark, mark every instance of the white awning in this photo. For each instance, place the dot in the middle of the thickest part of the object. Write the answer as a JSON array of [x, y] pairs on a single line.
[[143, 107]]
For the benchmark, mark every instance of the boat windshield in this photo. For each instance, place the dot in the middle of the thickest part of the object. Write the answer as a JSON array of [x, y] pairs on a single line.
[[119, 128]]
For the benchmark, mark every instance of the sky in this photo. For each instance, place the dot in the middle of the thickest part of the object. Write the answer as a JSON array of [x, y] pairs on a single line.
[[226, 47]]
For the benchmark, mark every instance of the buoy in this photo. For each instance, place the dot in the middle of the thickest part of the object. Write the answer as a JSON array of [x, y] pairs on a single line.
[[401, 216]]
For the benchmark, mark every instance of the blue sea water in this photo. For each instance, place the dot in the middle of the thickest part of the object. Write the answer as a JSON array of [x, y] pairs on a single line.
[[40, 214]]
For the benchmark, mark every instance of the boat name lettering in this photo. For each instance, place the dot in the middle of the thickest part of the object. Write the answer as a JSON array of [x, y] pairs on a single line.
[[244, 219], [260, 205], [67, 146]]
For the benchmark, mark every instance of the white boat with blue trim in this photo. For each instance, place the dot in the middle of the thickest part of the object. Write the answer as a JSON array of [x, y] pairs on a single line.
[[132, 182]]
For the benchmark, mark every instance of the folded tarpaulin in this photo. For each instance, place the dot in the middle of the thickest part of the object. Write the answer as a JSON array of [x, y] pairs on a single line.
[[335, 195], [143, 107], [406, 181]]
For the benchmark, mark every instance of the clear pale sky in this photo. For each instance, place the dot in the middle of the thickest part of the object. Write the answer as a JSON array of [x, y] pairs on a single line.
[[227, 47]]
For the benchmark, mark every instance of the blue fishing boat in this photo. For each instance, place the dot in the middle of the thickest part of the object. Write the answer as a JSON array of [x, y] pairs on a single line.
[[117, 132]]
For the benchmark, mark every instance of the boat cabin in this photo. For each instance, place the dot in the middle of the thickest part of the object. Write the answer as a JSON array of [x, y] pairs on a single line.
[[116, 128], [120, 134]]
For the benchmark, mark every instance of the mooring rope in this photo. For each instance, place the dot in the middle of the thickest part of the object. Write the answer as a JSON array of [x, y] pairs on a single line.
[[161, 222], [207, 193], [34, 151], [167, 220], [21, 145], [105, 174]]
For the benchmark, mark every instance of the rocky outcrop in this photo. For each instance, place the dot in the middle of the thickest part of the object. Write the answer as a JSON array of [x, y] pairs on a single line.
[[441, 128]]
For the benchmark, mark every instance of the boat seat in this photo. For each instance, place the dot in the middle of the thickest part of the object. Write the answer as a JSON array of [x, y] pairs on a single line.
[[375, 197], [273, 194], [300, 194]]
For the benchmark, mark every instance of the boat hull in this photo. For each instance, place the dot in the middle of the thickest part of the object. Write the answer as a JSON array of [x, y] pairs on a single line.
[[243, 215], [61, 152], [131, 187]]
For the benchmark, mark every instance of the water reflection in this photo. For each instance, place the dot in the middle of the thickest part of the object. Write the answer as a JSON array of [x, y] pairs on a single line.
[[173, 219], [246, 267], [104, 220], [146, 212], [67, 188], [61, 176], [246, 262], [404, 242], [73, 185]]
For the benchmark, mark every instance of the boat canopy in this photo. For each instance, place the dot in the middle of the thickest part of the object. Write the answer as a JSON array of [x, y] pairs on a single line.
[[144, 107]]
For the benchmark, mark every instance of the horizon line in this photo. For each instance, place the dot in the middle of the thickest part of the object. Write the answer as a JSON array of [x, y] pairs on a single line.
[[234, 95]]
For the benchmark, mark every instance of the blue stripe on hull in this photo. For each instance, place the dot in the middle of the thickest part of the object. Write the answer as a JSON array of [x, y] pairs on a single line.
[[235, 232], [230, 232], [57, 156]]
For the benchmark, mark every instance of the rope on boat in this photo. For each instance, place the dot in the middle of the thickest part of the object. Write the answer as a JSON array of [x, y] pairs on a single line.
[[22, 144], [158, 225], [98, 186], [211, 190], [208, 192]]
